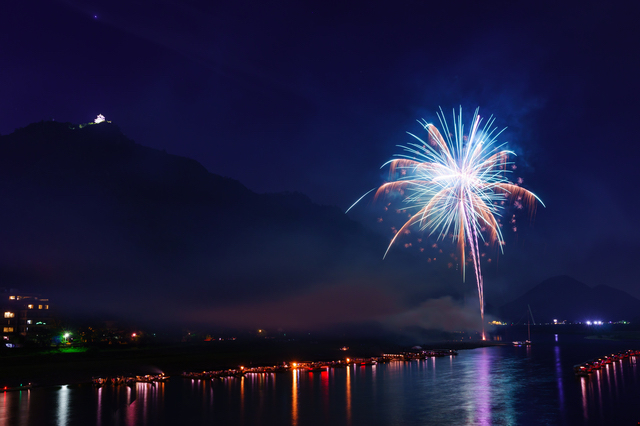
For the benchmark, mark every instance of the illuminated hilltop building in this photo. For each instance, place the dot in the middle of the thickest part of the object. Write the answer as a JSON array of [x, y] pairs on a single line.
[[99, 119]]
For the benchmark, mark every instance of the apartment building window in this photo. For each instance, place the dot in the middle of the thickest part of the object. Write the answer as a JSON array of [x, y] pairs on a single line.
[[8, 329], [9, 314], [30, 306]]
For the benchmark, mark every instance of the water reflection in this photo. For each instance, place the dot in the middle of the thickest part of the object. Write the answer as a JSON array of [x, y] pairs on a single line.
[[324, 390], [63, 405], [138, 404], [14, 408], [609, 390], [559, 372], [485, 386], [482, 395], [583, 387], [348, 387], [99, 408], [294, 397], [492, 386], [242, 397]]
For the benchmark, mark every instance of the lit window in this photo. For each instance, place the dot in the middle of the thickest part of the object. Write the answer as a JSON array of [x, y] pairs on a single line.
[[46, 306], [30, 306], [12, 298], [9, 314], [39, 306], [8, 329], [28, 321]]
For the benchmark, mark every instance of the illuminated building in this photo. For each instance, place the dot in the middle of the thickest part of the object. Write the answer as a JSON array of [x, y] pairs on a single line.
[[23, 314]]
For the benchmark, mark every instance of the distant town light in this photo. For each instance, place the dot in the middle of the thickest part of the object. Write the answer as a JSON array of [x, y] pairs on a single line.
[[99, 119]]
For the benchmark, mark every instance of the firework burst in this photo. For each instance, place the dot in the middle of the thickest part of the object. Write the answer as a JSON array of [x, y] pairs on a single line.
[[457, 186]]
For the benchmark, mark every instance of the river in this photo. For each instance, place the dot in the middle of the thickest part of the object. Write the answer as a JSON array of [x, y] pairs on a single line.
[[502, 385]]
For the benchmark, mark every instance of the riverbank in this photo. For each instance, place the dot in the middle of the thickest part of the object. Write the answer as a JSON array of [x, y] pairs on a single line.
[[79, 365]]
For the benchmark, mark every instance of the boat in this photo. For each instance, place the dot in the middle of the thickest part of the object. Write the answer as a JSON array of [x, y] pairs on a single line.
[[17, 388], [598, 363], [316, 368], [528, 341], [582, 369]]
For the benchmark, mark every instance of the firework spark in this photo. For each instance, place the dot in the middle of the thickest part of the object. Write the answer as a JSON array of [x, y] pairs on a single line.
[[457, 185]]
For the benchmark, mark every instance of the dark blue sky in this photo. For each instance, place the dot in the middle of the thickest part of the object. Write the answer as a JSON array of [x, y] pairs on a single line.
[[314, 97]]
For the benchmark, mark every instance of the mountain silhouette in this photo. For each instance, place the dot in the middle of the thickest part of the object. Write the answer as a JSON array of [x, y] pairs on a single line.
[[564, 298], [102, 224]]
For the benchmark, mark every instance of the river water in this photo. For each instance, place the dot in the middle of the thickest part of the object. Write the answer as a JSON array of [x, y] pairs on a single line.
[[487, 386]]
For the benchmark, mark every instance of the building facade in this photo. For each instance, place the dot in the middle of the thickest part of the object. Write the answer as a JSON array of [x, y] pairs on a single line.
[[24, 315]]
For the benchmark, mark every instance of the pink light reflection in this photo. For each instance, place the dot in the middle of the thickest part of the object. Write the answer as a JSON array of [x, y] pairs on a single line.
[[483, 395], [583, 387]]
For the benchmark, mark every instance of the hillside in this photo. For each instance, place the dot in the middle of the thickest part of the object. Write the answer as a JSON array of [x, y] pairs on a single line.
[[102, 224]]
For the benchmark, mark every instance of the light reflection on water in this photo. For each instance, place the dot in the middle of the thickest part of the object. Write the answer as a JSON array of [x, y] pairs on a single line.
[[348, 392], [294, 398], [611, 390], [486, 386], [490, 385], [63, 405]]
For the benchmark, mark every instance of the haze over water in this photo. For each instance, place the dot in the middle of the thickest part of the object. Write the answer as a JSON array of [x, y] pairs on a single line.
[[486, 386]]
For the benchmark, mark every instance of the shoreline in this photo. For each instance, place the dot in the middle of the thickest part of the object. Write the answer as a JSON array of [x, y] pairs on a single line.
[[57, 368]]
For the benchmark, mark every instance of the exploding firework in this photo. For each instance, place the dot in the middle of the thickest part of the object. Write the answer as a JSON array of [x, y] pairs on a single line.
[[457, 185]]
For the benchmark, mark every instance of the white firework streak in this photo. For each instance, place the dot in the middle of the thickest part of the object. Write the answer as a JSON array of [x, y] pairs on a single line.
[[457, 185]]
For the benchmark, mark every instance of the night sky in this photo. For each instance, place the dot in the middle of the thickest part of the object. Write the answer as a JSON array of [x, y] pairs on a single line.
[[314, 96]]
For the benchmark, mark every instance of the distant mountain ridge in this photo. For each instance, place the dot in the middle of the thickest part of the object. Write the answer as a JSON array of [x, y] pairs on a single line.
[[564, 298]]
